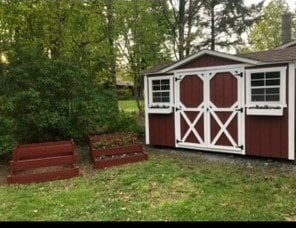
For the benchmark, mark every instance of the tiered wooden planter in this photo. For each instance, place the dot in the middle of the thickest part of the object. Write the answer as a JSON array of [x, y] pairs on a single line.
[[114, 156], [43, 162]]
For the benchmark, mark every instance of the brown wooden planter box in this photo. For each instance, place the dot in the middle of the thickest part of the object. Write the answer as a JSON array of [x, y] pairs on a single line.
[[43, 162], [104, 158]]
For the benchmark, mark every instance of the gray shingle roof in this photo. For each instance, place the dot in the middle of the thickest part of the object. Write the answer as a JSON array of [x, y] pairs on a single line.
[[276, 55], [157, 68], [281, 54]]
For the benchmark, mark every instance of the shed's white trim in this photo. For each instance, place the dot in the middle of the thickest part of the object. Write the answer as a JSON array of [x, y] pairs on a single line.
[[221, 149], [241, 102], [177, 114], [167, 110], [265, 112], [147, 138], [207, 110], [291, 43], [164, 107], [291, 110], [213, 53], [213, 69], [283, 101]]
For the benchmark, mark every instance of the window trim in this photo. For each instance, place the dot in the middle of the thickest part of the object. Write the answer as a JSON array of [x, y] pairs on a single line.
[[266, 107], [281, 102], [160, 107]]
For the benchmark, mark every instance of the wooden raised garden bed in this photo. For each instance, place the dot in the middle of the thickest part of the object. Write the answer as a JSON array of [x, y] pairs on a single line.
[[115, 149], [43, 162]]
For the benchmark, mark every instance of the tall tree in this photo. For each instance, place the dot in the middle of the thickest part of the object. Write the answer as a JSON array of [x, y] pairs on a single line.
[[182, 19], [267, 33], [58, 52], [227, 20], [143, 38], [81, 31], [111, 36]]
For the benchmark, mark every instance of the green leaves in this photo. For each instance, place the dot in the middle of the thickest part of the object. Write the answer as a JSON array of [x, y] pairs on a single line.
[[227, 20], [267, 33], [142, 37], [54, 85], [51, 99]]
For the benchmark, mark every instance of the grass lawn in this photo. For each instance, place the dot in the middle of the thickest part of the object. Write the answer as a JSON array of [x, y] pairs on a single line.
[[128, 105], [168, 187]]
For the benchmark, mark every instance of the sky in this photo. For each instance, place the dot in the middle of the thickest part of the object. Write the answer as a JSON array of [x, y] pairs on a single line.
[[292, 3]]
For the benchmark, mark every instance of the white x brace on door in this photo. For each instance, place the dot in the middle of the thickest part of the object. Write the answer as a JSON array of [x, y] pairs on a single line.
[[209, 113]]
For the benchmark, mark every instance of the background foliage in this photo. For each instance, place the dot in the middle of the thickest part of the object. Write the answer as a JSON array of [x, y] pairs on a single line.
[[52, 99], [267, 33], [60, 59]]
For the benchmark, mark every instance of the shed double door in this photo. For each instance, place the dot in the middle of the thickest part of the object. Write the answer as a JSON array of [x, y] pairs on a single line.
[[209, 113]]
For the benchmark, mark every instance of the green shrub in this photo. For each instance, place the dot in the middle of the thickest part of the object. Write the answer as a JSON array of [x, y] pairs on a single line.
[[124, 94], [95, 115], [7, 127], [128, 122], [51, 99], [7, 138]]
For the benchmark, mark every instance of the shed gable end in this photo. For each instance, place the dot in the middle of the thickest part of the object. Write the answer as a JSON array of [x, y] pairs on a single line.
[[208, 61]]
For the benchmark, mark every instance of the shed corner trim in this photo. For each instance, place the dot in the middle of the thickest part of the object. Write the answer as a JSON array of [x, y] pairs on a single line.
[[291, 110]]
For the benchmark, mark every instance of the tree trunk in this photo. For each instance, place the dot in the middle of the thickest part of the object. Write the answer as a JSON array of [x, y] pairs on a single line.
[[110, 34], [213, 26], [190, 23], [181, 26], [138, 95]]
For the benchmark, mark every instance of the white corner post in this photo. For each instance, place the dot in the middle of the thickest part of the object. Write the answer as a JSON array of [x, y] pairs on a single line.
[[291, 111], [147, 139]]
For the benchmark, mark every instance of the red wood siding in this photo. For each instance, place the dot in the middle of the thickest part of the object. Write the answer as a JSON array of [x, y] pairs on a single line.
[[199, 127], [191, 95], [223, 89], [191, 91], [267, 136], [207, 61], [223, 94], [162, 129], [232, 129]]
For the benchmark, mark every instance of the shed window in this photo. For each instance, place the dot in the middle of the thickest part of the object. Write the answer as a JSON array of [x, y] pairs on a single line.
[[265, 86], [266, 90], [160, 93]]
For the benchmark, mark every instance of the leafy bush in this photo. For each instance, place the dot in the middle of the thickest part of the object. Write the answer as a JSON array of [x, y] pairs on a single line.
[[51, 99], [7, 127], [95, 115], [124, 94], [7, 138], [128, 122]]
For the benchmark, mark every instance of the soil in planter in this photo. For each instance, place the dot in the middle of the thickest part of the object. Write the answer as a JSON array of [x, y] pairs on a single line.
[[113, 140]]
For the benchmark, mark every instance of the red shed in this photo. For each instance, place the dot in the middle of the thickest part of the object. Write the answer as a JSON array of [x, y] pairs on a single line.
[[212, 101]]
